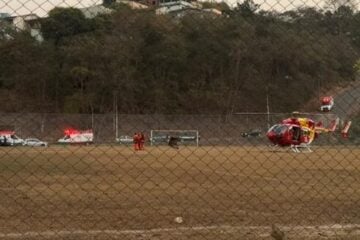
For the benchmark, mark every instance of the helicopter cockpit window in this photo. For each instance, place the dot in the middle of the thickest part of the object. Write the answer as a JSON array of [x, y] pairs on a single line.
[[66, 137], [279, 129]]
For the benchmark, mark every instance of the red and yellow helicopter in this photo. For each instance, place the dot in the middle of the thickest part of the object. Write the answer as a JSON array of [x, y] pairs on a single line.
[[299, 132]]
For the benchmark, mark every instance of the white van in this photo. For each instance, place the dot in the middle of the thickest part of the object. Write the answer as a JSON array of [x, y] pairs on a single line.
[[73, 136], [9, 138], [327, 103]]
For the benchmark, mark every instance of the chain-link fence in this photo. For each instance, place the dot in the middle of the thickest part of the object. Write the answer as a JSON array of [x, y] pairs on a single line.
[[171, 119]]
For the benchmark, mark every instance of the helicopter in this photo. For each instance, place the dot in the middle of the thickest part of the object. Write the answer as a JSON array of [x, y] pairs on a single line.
[[299, 132]]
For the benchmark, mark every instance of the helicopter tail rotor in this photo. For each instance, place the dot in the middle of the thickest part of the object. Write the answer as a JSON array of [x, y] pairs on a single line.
[[345, 130]]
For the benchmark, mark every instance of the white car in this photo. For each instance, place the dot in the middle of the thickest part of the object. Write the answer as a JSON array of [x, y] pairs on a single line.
[[34, 142], [125, 140]]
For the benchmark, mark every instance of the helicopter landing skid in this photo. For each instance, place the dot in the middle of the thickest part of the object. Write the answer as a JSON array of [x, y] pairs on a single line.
[[302, 148], [277, 148]]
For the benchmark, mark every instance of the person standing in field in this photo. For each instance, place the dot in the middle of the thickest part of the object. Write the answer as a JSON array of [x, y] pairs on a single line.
[[173, 142], [136, 140], [141, 141]]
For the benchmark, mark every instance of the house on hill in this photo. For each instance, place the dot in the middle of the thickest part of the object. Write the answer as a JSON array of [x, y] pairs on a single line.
[[29, 22], [134, 4], [177, 8], [93, 11], [180, 8]]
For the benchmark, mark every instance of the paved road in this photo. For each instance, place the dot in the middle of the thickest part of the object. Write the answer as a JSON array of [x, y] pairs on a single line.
[[347, 102]]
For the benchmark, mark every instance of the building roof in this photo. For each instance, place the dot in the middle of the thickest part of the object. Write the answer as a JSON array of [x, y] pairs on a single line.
[[175, 7], [133, 4], [93, 11], [26, 17], [4, 15]]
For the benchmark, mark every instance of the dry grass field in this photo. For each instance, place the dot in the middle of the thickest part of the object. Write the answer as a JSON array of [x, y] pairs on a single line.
[[112, 192]]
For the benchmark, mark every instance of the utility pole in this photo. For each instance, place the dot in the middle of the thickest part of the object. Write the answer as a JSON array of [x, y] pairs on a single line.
[[267, 107], [116, 117]]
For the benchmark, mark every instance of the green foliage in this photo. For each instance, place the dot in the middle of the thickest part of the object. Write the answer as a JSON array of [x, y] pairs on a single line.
[[247, 8], [151, 63], [354, 132], [26, 71], [334, 5], [63, 23], [357, 66], [7, 32], [108, 2]]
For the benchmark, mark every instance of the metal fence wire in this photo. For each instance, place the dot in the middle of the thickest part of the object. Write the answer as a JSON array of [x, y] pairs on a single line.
[[172, 119]]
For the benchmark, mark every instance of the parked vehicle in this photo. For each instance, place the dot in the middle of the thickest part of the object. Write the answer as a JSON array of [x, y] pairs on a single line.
[[327, 103], [34, 142], [73, 136], [125, 140], [4, 141], [9, 138]]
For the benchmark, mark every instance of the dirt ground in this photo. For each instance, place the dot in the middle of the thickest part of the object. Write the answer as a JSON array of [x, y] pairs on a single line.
[[112, 192]]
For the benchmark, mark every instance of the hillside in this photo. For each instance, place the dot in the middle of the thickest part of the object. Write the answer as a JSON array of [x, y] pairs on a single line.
[[346, 107], [139, 62], [346, 98]]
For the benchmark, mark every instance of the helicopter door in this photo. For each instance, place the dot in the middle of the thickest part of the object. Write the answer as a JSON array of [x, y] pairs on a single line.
[[296, 133], [305, 136]]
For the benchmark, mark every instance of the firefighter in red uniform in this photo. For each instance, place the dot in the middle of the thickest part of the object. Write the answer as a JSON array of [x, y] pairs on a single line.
[[141, 141], [136, 140]]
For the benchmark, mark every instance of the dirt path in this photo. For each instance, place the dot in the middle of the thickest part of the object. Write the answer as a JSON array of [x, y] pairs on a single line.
[[347, 102]]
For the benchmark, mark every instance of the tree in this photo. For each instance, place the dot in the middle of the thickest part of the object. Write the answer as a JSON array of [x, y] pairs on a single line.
[[145, 63], [334, 5], [63, 23], [247, 9], [7, 31], [355, 130], [25, 73], [108, 3]]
